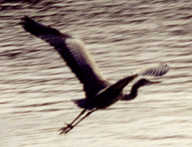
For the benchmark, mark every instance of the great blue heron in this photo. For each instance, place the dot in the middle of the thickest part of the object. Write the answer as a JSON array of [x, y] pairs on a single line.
[[99, 92]]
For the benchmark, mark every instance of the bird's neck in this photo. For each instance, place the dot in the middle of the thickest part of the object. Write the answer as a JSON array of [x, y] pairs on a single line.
[[133, 93]]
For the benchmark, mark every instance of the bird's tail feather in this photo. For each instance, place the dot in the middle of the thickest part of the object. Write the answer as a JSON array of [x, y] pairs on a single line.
[[80, 103], [160, 70]]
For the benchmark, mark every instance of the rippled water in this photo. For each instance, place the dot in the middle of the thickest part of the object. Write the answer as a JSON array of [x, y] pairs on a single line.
[[124, 36]]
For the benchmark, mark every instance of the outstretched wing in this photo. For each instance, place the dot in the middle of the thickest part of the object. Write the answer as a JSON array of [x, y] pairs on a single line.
[[156, 71], [72, 51]]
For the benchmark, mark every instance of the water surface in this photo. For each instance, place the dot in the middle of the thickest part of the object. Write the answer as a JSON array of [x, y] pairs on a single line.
[[124, 37]]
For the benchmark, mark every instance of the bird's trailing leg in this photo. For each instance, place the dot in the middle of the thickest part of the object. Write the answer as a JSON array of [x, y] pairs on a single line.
[[70, 126]]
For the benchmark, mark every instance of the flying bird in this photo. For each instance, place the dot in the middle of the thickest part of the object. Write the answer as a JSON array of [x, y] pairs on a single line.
[[99, 92]]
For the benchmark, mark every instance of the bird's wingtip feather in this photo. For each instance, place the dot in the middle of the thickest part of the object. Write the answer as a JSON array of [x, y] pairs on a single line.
[[160, 70]]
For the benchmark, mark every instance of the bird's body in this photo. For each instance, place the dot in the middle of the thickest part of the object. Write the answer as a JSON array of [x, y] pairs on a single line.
[[107, 96], [99, 93]]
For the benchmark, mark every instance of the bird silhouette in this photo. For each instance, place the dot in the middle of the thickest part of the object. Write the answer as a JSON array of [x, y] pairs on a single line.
[[99, 93]]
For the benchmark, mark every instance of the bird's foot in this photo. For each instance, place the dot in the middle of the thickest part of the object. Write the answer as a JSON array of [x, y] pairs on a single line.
[[66, 129]]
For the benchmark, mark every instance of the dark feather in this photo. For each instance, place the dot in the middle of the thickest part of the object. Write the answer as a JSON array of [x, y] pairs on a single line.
[[73, 52]]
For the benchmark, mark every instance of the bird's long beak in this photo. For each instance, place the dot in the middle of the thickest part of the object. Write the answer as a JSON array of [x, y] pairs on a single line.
[[153, 82]]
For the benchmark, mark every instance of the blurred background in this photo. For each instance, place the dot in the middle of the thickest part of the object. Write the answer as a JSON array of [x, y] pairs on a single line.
[[124, 37]]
